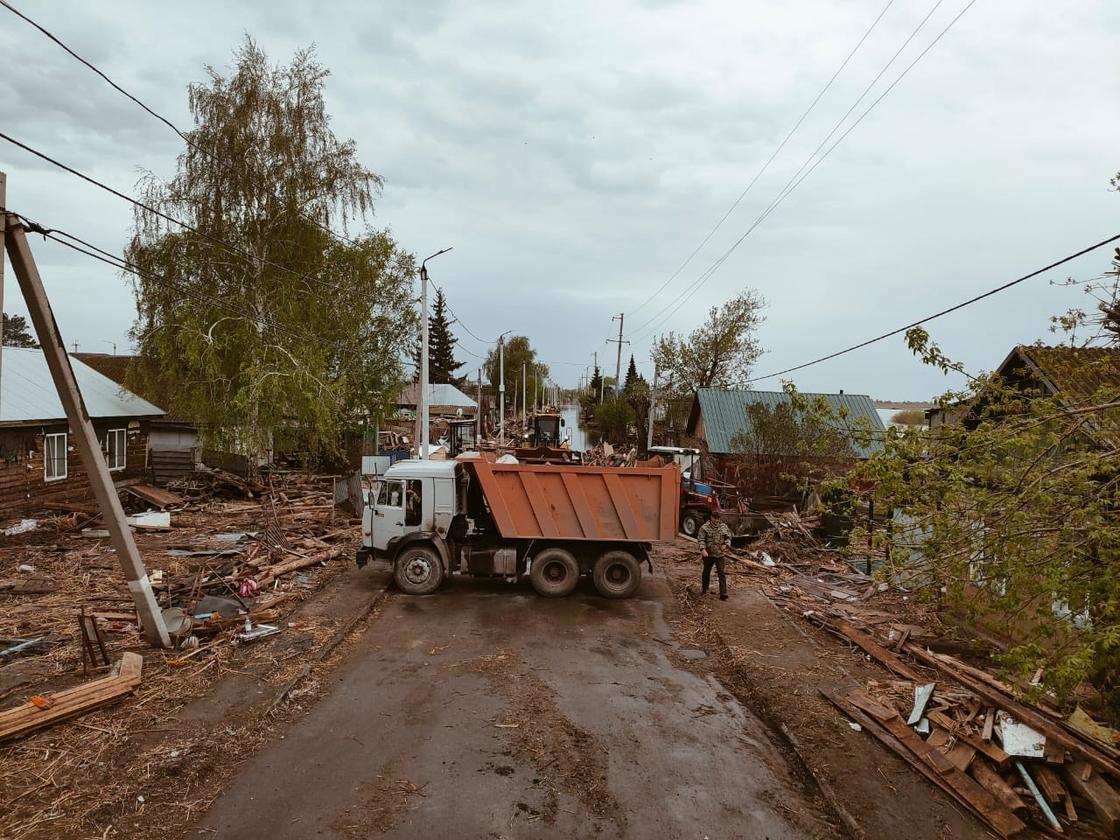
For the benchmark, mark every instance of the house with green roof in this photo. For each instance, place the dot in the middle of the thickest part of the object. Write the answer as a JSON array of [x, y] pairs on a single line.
[[720, 416]]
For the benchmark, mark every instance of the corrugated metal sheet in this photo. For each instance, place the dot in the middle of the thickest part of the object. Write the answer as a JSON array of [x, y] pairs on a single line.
[[27, 392], [724, 413]]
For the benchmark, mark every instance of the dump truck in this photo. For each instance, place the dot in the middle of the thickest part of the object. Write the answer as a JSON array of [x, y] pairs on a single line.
[[552, 523]]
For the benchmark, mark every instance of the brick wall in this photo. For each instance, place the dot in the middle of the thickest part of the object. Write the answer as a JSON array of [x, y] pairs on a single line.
[[23, 486]]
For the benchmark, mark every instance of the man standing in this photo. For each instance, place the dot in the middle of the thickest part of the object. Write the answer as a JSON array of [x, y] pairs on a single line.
[[714, 537]]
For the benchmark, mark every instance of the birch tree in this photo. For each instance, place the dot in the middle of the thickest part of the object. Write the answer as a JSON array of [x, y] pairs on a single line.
[[257, 318]]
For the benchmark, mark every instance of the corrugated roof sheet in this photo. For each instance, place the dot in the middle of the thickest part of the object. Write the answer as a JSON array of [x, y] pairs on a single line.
[[1077, 376], [725, 414], [437, 395], [27, 392]]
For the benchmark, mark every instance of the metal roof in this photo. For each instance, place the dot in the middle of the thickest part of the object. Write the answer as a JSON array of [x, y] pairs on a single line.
[[27, 392], [725, 414], [437, 395]]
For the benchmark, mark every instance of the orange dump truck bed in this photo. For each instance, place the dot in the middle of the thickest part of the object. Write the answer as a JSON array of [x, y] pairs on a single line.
[[546, 501]]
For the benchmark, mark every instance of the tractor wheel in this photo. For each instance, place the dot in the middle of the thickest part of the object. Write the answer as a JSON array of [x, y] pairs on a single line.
[[554, 573], [691, 522], [617, 574], [418, 570]]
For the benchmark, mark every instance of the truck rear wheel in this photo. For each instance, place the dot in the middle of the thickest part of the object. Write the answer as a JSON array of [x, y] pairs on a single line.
[[617, 574], [554, 573], [418, 570]]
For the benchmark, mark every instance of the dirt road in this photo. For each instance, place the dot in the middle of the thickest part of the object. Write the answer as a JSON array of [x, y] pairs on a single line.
[[487, 712]]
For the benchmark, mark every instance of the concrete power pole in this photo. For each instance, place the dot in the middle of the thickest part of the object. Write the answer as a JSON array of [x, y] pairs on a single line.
[[524, 394], [478, 412], [101, 483], [618, 357], [501, 390]]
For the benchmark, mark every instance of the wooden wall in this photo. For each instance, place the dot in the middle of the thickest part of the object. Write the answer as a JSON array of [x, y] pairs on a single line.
[[23, 486]]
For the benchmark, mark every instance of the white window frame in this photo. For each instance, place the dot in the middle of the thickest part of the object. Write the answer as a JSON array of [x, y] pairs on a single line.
[[119, 463], [50, 458]]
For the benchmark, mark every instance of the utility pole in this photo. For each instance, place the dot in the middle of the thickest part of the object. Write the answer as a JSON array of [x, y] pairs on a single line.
[[478, 412], [502, 390], [652, 406], [618, 358], [596, 354], [101, 483], [425, 425], [524, 394]]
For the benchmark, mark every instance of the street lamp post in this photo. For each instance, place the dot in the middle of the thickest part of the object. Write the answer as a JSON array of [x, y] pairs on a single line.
[[423, 384]]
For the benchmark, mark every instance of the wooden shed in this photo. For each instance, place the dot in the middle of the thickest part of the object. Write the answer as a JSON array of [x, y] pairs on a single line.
[[40, 467]]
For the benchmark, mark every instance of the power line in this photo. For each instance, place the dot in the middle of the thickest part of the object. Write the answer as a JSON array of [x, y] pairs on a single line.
[[186, 139], [936, 315], [770, 160], [233, 249], [783, 194], [120, 264]]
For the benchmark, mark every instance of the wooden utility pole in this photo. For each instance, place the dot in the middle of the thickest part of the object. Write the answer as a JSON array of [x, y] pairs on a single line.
[[54, 350]]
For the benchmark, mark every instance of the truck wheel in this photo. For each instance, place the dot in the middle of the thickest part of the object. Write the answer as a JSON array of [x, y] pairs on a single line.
[[617, 575], [418, 571], [554, 573], [691, 523]]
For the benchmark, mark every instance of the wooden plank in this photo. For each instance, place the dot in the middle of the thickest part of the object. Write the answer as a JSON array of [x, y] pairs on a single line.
[[1099, 793], [30, 718], [159, 498], [1023, 714], [875, 650], [989, 749], [989, 723], [994, 783], [1001, 819], [961, 755], [1049, 782]]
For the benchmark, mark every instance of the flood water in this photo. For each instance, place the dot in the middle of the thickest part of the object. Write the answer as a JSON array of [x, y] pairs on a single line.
[[570, 413]]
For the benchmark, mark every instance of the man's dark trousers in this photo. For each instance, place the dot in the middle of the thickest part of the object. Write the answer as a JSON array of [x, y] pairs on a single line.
[[721, 572]]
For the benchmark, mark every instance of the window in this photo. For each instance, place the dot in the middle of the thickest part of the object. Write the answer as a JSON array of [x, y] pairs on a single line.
[[114, 447], [54, 456], [413, 500], [390, 494]]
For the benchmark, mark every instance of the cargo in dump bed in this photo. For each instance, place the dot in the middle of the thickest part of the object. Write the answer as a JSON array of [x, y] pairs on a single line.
[[550, 522]]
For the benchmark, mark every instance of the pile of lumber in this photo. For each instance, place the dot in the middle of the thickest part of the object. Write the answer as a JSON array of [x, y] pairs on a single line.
[[1008, 762], [46, 710]]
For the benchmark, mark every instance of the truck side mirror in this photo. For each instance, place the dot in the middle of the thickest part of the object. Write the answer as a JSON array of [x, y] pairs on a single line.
[[562, 423]]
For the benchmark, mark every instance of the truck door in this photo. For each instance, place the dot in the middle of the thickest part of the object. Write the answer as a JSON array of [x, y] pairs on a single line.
[[388, 513]]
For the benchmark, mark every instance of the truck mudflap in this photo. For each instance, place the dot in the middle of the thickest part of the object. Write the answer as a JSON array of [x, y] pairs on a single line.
[[363, 555]]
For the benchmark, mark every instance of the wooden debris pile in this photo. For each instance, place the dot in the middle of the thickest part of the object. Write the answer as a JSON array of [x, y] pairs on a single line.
[[1016, 766], [1012, 764], [218, 562]]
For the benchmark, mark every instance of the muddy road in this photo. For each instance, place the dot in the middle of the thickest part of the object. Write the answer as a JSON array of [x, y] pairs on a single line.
[[485, 711]]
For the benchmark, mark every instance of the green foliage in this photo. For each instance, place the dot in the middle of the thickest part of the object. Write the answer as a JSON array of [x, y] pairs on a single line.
[[518, 352], [16, 332], [632, 376], [718, 354], [596, 382], [441, 346], [246, 347], [1011, 514], [614, 417]]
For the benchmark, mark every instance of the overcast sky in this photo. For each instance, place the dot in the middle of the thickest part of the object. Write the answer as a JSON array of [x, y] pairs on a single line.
[[574, 154]]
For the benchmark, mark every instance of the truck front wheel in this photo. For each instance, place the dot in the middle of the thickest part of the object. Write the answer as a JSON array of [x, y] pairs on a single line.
[[554, 573], [418, 570], [617, 574]]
